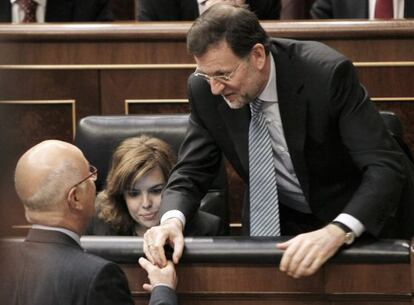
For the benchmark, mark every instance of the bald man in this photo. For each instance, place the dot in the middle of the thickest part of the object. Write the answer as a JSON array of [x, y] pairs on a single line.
[[56, 186]]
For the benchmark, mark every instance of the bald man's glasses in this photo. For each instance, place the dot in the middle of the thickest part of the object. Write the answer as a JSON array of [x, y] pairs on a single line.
[[93, 174]]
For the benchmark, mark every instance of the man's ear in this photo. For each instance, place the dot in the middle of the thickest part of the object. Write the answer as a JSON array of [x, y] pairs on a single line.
[[73, 199], [258, 54]]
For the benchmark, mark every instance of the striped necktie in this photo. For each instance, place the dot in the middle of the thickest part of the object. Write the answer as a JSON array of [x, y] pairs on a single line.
[[264, 206], [29, 8]]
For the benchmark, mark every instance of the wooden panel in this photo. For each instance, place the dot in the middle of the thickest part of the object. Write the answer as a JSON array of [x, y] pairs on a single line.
[[373, 50], [386, 279], [156, 106], [388, 81], [81, 86], [264, 284], [118, 86], [22, 126]]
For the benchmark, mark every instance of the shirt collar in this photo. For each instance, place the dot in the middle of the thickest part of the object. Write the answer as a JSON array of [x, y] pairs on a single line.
[[70, 233], [269, 94]]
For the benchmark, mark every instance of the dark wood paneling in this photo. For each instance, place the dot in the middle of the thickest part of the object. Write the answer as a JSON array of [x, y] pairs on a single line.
[[118, 86], [365, 278], [93, 52], [388, 81], [78, 85], [264, 284], [151, 108]]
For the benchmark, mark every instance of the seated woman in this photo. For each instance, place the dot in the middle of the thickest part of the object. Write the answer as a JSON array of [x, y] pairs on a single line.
[[130, 201]]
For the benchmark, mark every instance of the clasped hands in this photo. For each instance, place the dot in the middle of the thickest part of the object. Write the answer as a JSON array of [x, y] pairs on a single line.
[[303, 255]]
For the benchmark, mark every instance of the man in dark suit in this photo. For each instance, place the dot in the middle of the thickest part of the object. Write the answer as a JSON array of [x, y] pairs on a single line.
[[339, 173], [176, 10], [65, 11], [56, 185], [352, 9]]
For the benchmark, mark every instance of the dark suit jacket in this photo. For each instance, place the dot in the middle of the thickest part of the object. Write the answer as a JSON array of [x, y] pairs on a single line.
[[175, 10], [50, 268], [349, 9], [343, 156], [202, 224], [67, 11]]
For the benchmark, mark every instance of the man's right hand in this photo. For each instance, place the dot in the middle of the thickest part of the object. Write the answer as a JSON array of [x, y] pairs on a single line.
[[155, 238], [159, 276]]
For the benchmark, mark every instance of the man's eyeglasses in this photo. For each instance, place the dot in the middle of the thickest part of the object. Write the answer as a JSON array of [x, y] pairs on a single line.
[[225, 77], [93, 173]]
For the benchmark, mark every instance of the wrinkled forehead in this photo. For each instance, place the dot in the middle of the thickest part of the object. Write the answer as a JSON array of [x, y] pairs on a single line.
[[218, 57]]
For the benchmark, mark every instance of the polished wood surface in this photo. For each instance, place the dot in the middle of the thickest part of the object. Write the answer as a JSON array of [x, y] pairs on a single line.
[[208, 275], [104, 66]]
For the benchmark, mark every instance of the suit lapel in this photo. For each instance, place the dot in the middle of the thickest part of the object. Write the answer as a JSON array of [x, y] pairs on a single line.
[[59, 10], [5, 11], [360, 8], [408, 9], [293, 107]]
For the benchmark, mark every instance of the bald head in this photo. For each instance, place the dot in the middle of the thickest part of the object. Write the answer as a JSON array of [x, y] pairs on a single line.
[[45, 172]]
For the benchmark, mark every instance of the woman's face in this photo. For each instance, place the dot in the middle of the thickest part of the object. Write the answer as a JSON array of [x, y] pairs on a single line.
[[144, 198]]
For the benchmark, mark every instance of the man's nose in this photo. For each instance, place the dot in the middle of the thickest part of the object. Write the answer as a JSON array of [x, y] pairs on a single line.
[[216, 86]]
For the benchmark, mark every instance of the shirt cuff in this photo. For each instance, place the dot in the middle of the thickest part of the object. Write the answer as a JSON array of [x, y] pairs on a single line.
[[163, 285], [350, 221], [173, 214]]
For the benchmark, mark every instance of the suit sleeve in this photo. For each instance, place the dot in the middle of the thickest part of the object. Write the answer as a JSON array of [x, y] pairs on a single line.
[[104, 12], [110, 287], [322, 9], [158, 10], [162, 295], [266, 9], [371, 147], [198, 163]]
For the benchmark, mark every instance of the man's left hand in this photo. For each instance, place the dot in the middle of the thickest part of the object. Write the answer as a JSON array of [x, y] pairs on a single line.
[[306, 253]]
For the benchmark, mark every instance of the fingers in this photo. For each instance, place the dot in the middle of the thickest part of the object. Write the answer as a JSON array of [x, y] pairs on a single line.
[[292, 256], [145, 264], [306, 253], [178, 248], [154, 241], [156, 237], [147, 287]]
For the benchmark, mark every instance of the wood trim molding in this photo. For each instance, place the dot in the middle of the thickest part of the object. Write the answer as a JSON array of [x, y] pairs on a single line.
[[362, 64], [153, 101], [392, 99], [177, 31], [101, 67]]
